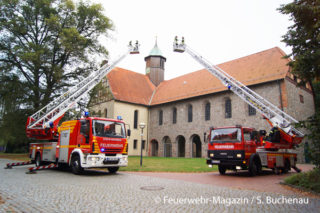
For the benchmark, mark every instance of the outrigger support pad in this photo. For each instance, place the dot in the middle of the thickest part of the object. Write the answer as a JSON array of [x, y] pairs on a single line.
[[10, 165], [296, 169], [33, 170]]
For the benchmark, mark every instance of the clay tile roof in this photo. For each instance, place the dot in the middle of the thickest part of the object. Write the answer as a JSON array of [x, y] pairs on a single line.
[[129, 86], [260, 67]]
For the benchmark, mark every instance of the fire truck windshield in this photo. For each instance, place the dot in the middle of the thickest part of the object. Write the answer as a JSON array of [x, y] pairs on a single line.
[[108, 129], [226, 135]]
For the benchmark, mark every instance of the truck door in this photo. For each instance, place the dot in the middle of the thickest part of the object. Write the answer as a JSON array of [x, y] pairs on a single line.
[[64, 145], [249, 142], [83, 137]]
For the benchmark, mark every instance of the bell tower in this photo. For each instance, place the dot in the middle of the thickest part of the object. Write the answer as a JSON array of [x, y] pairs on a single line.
[[155, 65]]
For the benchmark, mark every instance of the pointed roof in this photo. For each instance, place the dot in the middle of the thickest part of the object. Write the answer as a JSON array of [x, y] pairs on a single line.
[[155, 51], [261, 67]]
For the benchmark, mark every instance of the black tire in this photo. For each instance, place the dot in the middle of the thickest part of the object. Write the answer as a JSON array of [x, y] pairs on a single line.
[[277, 170], [253, 170], [38, 161], [255, 166], [259, 167], [75, 165], [222, 169], [287, 166], [113, 170]]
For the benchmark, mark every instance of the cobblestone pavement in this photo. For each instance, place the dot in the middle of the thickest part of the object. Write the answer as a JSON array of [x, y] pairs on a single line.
[[267, 181], [61, 191]]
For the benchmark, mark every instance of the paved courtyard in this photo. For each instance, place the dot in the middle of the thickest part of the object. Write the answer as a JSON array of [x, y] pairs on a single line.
[[61, 191]]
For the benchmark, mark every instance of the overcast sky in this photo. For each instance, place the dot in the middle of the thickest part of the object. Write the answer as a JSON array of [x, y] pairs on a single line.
[[220, 30]]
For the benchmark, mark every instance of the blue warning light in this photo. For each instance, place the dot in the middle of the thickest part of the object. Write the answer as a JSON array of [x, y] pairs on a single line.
[[86, 114]]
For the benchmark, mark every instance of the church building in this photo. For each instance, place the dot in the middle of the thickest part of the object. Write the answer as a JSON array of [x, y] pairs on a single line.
[[179, 112]]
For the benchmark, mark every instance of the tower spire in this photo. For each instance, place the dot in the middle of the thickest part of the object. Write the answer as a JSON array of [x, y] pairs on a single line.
[[155, 64]]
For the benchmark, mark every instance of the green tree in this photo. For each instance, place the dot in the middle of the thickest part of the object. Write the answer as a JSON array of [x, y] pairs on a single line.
[[46, 46], [304, 38], [12, 117], [313, 125], [49, 44]]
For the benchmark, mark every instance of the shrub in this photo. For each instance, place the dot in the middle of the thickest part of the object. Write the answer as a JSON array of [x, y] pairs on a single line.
[[307, 180]]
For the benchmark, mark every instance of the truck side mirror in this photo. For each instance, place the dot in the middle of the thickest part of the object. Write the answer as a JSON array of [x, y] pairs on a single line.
[[129, 133]]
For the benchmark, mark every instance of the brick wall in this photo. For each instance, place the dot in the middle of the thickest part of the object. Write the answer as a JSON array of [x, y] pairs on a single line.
[[240, 114], [301, 106]]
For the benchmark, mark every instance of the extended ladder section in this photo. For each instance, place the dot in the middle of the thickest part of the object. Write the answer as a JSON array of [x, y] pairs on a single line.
[[45, 117], [277, 117]]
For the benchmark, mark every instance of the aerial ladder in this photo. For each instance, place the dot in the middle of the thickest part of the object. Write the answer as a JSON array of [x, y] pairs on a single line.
[[290, 136], [42, 125]]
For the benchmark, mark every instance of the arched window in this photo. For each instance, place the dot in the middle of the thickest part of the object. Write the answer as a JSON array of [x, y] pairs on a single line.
[[190, 113], [135, 119], [228, 108], [160, 117], [174, 115], [106, 113], [207, 111], [252, 110]]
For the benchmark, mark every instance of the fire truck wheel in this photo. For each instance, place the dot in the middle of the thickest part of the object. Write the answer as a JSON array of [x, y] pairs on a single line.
[[222, 169], [38, 160], [113, 170], [253, 169], [75, 165], [287, 166], [254, 165], [277, 170], [259, 167]]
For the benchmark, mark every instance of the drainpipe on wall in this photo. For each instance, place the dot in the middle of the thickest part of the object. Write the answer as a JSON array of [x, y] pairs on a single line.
[[280, 93], [148, 132]]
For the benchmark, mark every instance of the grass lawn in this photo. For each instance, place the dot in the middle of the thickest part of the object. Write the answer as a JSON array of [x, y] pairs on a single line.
[[149, 164], [19, 157], [306, 180], [160, 164]]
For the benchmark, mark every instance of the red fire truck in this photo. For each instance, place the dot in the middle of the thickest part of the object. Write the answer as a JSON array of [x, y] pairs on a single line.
[[85, 143], [240, 147], [88, 142]]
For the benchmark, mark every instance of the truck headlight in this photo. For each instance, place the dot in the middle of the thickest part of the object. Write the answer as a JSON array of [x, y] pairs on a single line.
[[211, 155], [93, 158], [239, 155]]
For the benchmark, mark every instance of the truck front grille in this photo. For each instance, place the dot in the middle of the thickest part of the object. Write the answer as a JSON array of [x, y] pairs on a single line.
[[112, 151]]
